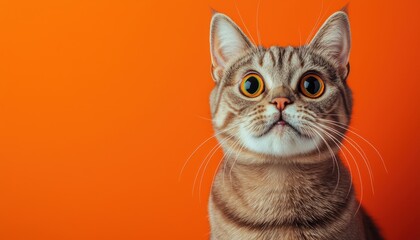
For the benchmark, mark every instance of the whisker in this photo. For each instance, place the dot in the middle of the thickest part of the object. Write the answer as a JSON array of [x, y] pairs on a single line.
[[332, 156], [242, 20], [332, 114], [356, 147], [218, 165], [337, 122], [205, 118], [241, 147], [199, 146], [360, 178], [309, 133], [351, 176], [208, 158], [257, 23], [203, 162], [202, 176], [226, 157], [370, 144], [339, 144], [316, 23]]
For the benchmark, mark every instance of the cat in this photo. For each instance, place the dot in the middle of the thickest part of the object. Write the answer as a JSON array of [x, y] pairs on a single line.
[[279, 114]]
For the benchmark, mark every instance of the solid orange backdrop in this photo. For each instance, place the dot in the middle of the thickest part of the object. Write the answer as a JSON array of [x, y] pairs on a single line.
[[102, 102]]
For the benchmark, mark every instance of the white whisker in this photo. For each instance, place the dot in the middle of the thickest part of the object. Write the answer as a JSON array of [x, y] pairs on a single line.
[[339, 144], [202, 176], [370, 144], [217, 168], [332, 156], [242, 20], [361, 153], [358, 170], [241, 147], [227, 154], [257, 23], [316, 23], [202, 144]]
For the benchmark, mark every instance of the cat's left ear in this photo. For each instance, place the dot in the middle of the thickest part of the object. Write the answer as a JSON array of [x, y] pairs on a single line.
[[333, 41], [227, 42]]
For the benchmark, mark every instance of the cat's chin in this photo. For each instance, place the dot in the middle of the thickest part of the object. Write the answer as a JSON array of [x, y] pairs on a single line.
[[281, 140]]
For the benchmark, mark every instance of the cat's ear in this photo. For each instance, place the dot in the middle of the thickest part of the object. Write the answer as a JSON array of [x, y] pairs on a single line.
[[333, 41], [227, 41]]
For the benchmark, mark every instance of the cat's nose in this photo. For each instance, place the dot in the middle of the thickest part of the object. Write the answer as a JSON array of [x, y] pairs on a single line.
[[281, 102]]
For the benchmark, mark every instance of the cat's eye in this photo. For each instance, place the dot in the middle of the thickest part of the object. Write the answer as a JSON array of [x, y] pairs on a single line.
[[252, 85], [312, 86]]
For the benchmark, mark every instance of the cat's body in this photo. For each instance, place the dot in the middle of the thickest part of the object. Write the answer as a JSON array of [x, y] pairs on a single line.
[[285, 202], [279, 114]]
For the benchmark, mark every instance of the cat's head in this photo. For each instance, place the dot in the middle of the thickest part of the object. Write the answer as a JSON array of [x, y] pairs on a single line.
[[284, 102]]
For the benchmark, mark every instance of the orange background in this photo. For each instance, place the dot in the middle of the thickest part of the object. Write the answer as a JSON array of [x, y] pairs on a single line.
[[102, 102]]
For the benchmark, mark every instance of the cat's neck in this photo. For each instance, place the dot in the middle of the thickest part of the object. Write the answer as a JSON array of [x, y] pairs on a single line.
[[282, 192], [329, 173]]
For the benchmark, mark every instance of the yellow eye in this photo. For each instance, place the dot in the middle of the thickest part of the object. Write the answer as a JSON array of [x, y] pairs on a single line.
[[252, 85], [312, 86]]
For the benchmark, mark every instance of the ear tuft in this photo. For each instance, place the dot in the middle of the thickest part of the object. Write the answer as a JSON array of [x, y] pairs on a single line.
[[213, 11], [227, 42], [345, 9]]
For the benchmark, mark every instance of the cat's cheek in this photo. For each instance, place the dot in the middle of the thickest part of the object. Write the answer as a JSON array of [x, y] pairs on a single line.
[[213, 101], [221, 118]]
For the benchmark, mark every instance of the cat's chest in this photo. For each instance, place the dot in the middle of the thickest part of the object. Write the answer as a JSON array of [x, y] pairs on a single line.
[[277, 206], [275, 234]]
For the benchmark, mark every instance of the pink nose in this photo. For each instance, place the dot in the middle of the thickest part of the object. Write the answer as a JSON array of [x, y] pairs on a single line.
[[280, 103]]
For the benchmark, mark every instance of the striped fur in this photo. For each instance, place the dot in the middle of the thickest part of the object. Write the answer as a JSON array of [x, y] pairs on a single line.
[[283, 182]]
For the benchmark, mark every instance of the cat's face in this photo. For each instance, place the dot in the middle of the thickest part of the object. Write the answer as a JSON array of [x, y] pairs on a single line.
[[283, 102]]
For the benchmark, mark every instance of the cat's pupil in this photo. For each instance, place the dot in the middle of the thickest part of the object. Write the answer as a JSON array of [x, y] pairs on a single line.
[[251, 85], [312, 85]]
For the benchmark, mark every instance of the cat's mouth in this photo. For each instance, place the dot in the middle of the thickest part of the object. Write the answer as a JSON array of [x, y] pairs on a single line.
[[281, 125], [281, 121]]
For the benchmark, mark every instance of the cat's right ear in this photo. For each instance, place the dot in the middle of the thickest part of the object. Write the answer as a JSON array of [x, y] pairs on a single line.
[[227, 42]]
